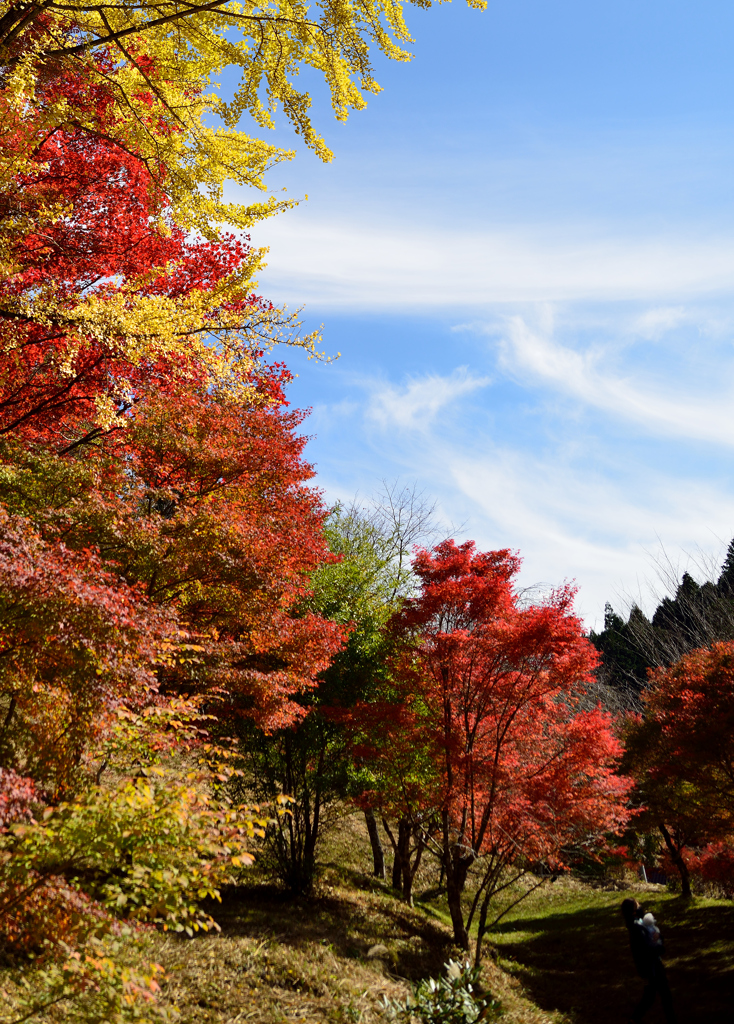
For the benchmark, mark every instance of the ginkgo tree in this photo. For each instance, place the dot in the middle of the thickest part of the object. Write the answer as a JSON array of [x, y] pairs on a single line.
[[488, 693], [160, 60], [101, 290]]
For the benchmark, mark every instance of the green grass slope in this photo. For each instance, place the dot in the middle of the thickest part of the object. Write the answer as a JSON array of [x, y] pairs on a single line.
[[330, 958], [568, 946], [559, 957]]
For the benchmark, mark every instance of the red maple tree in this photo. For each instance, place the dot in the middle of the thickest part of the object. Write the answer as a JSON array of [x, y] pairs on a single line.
[[681, 753], [523, 772], [76, 643]]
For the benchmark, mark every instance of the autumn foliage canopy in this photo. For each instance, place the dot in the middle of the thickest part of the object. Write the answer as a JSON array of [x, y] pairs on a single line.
[[680, 751], [160, 538], [490, 695], [157, 536]]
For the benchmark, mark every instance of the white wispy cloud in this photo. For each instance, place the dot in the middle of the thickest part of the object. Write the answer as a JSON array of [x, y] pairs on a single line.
[[575, 509], [416, 404], [568, 521], [532, 355], [654, 323], [361, 264]]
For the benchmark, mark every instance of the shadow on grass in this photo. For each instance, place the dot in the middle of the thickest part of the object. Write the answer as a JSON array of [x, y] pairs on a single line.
[[577, 959], [350, 922]]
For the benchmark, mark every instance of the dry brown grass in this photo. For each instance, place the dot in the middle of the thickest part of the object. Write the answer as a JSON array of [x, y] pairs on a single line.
[[307, 961], [278, 959]]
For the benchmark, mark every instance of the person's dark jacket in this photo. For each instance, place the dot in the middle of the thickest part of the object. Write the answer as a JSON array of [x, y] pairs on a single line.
[[646, 951]]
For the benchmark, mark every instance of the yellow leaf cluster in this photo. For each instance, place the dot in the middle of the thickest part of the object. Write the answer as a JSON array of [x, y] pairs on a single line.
[[165, 58]]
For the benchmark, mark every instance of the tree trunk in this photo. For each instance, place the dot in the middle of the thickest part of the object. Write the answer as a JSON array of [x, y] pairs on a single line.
[[403, 869], [396, 873], [457, 868], [405, 881], [481, 926], [401, 856], [378, 854], [677, 858], [397, 869], [410, 870], [453, 892], [308, 866]]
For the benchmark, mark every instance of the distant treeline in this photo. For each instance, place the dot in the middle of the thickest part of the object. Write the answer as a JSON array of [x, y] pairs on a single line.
[[697, 616]]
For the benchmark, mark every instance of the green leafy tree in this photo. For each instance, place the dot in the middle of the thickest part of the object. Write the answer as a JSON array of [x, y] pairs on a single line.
[[360, 588], [624, 664], [725, 583], [139, 846]]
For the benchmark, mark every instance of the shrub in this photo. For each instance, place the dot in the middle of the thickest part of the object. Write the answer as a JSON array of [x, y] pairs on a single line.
[[105, 980], [448, 1000], [717, 865], [711, 868], [150, 850]]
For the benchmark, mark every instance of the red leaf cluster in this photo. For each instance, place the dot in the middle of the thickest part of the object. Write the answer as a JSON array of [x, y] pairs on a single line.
[[17, 796], [87, 216], [691, 704], [167, 551], [75, 642], [494, 686], [681, 754], [158, 529], [492, 730]]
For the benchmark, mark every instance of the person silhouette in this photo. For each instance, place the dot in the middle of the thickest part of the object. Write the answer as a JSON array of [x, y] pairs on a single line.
[[647, 948]]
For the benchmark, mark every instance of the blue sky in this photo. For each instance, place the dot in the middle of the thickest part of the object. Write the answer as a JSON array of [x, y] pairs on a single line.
[[524, 251]]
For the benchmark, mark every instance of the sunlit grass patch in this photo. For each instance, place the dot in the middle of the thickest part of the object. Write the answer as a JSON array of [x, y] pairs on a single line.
[[568, 946], [328, 959]]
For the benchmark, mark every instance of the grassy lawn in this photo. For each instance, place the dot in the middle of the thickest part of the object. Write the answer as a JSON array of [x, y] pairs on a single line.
[[560, 957], [328, 959], [307, 960], [568, 946]]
